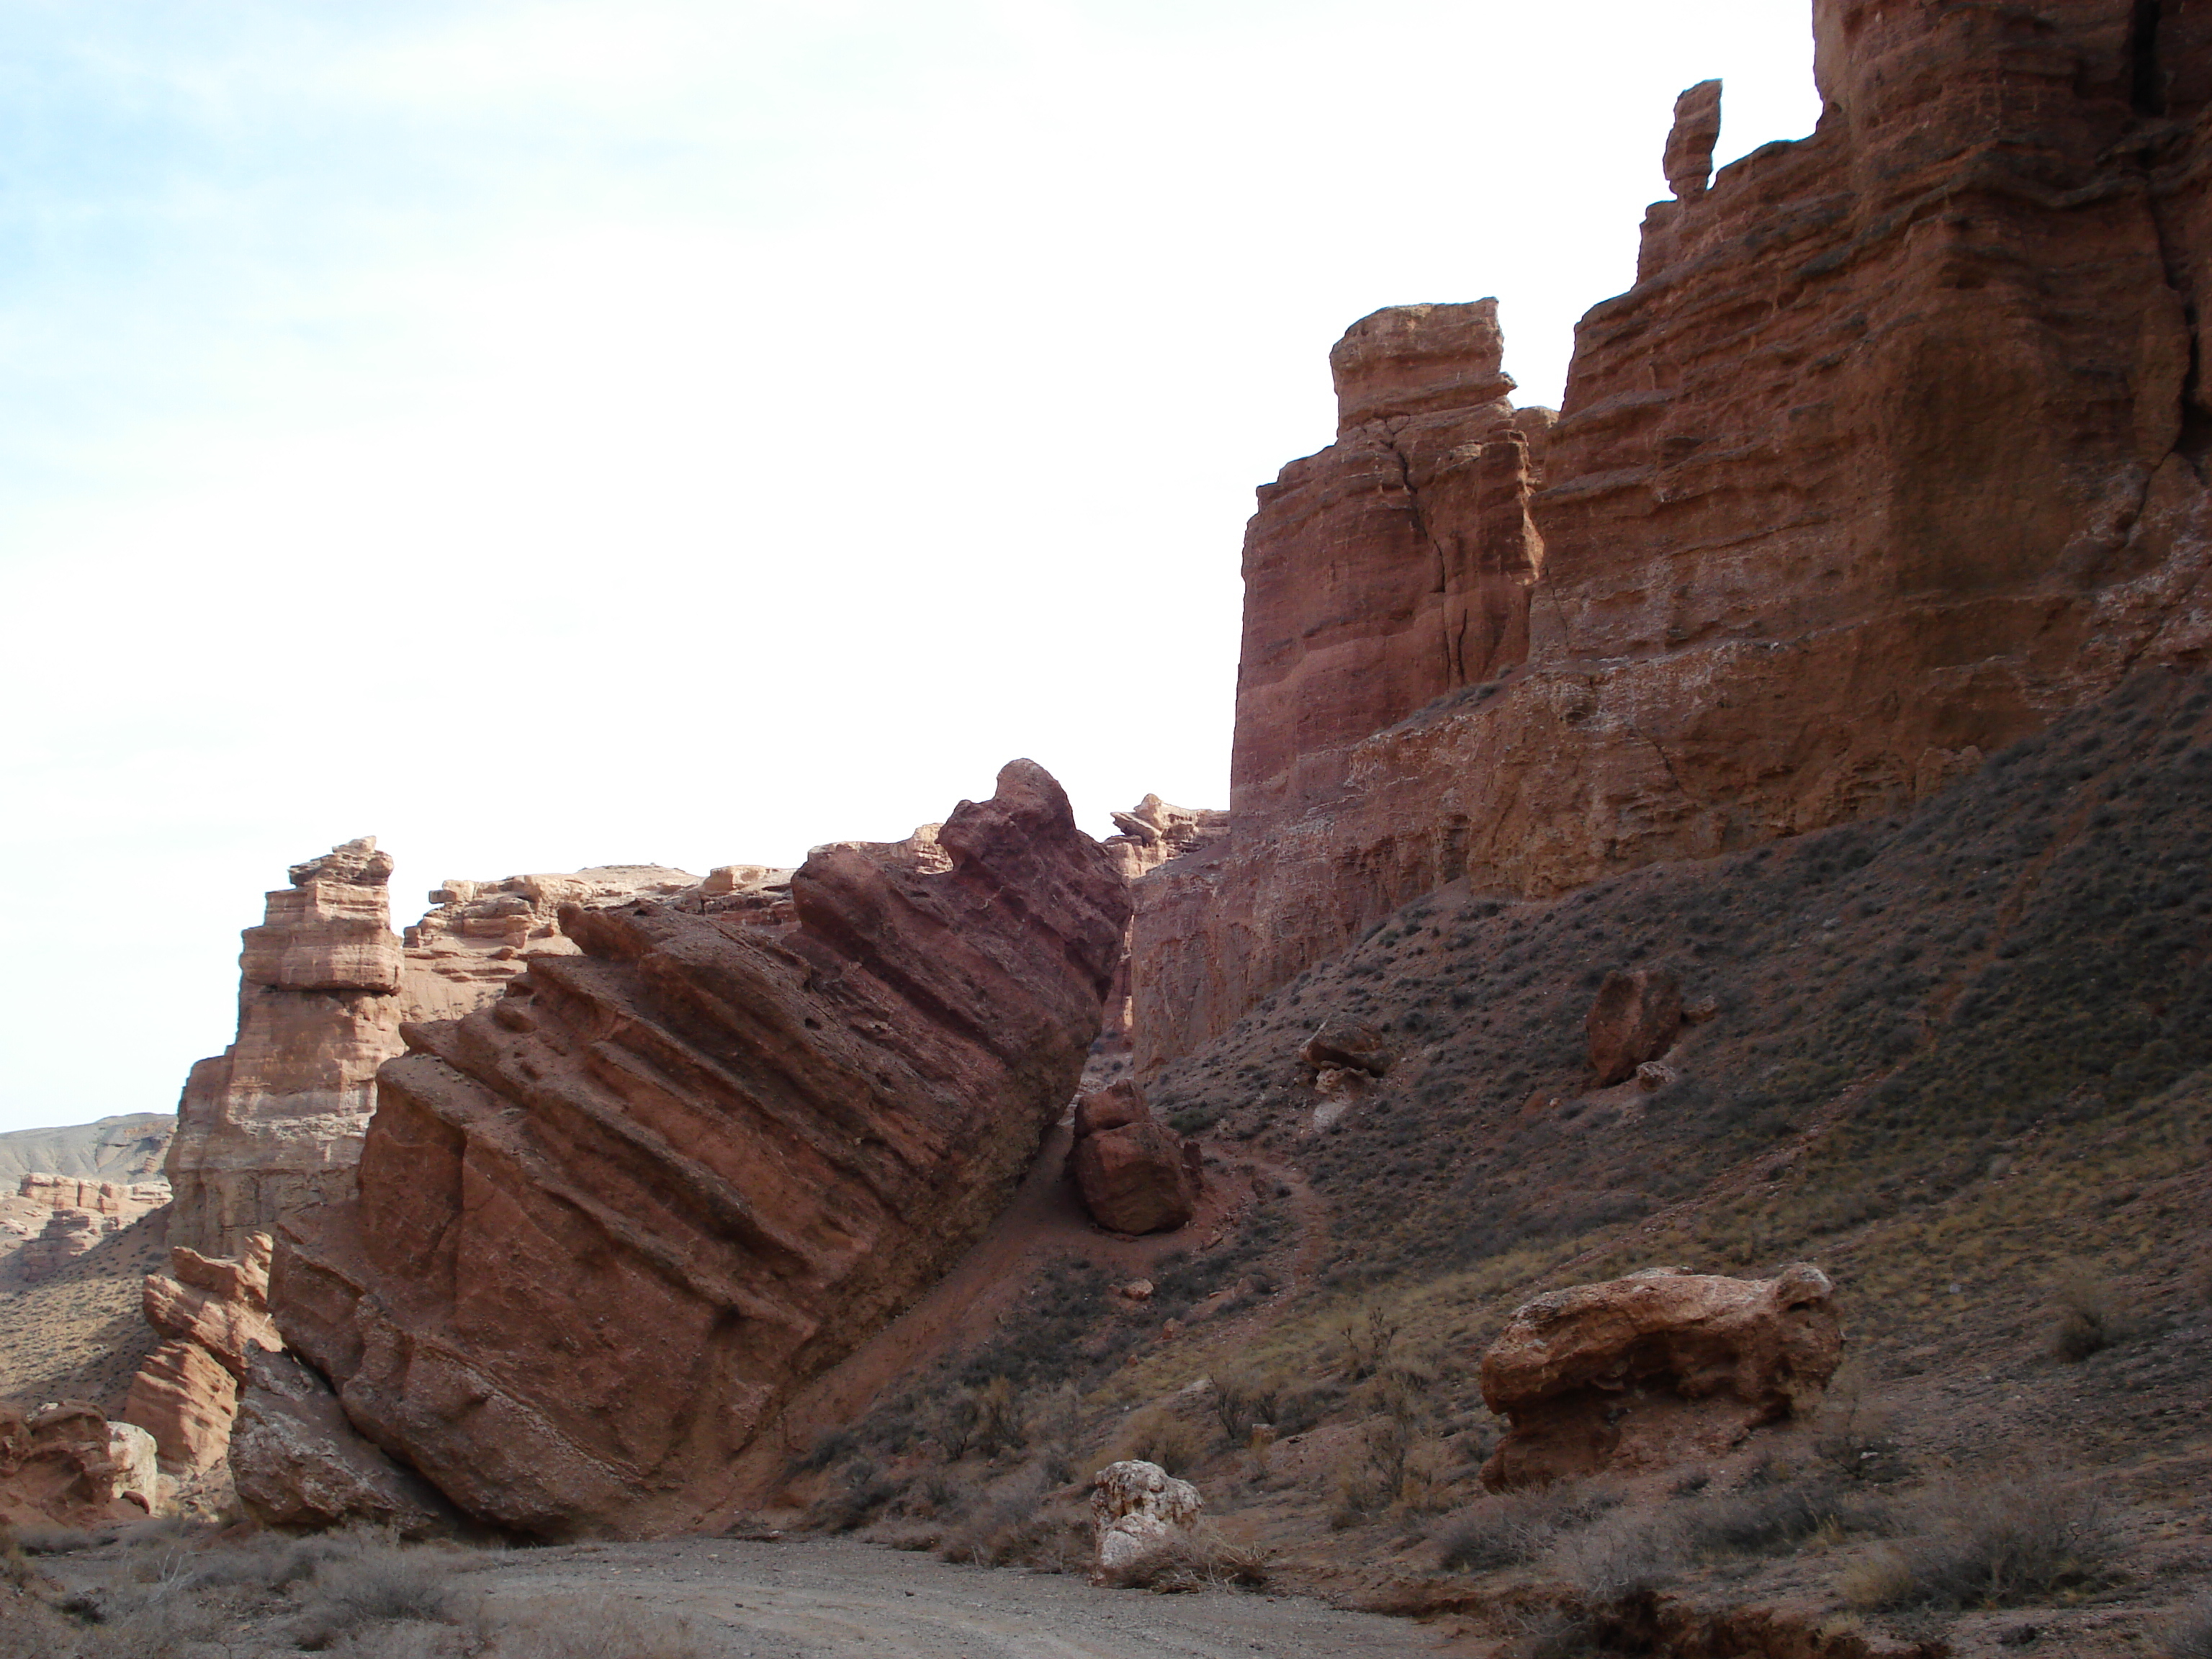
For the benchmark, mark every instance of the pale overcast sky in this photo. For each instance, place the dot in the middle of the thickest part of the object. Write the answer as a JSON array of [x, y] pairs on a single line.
[[546, 433]]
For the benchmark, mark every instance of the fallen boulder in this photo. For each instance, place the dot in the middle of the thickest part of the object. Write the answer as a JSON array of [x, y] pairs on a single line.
[[1137, 1508], [1135, 1174], [1634, 1019], [1646, 1371], [1349, 1046], [298, 1463]]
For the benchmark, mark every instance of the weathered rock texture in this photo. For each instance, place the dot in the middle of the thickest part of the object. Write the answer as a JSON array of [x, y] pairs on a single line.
[[1137, 1508], [297, 1462], [274, 1124], [1135, 1174], [1892, 455], [606, 1226], [274, 1121], [1662, 1366], [1632, 1022], [212, 1314], [65, 1464]]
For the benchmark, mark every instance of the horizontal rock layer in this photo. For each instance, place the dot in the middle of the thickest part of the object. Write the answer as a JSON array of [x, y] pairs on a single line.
[[607, 1224]]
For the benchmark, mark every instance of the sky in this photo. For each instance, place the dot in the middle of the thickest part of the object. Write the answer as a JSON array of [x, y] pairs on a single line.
[[684, 431]]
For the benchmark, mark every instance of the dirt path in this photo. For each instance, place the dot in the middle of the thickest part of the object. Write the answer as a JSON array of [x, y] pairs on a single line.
[[811, 1598]]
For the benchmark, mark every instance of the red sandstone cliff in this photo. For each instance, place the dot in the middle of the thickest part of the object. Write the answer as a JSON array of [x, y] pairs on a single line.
[[1894, 452], [606, 1224]]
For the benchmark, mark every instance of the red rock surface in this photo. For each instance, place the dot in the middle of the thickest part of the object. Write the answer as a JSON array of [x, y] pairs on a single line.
[[1662, 1366], [1132, 1170], [1633, 1020], [1891, 455], [274, 1124], [214, 1313], [607, 1224], [64, 1464]]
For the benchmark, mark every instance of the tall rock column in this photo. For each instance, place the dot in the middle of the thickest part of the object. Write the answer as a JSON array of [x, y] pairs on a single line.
[[275, 1123]]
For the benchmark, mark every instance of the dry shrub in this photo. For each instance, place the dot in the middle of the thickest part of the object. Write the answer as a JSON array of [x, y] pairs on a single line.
[[1620, 1556], [1555, 1634], [1203, 1562], [1244, 1401], [13, 1567], [860, 1491], [2188, 1634], [2092, 1312], [1158, 1434], [411, 1638], [53, 1540], [1513, 1528], [1990, 1542], [382, 1583], [1770, 1519], [593, 1627], [1021, 1528]]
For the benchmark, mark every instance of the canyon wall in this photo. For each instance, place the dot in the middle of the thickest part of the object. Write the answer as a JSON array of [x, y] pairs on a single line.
[[1893, 453], [607, 1224]]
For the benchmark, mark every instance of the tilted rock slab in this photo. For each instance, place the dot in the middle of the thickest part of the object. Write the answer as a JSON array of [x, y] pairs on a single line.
[[273, 1124], [608, 1224], [1662, 1366], [1889, 459]]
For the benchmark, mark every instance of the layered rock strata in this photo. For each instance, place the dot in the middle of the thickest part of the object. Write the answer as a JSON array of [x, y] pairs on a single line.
[[607, 1224], [1663, 1365], [1894, 452], [274, 1124], [53, 1220], [212, 1314]]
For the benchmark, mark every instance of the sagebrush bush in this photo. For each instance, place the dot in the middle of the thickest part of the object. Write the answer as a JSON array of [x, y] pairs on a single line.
[[384, 1581], [1770, 1519], [2091, 1313], [2188, 1634], [1513, 1528], [1203, 1562], [1992, 1542]]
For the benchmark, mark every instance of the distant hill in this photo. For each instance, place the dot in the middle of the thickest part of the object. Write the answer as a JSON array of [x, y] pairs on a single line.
[[126, 1148]]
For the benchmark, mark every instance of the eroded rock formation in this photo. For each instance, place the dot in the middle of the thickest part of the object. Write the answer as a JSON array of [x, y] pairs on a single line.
[[1632, 1022], [212, 1314], [274, 1124], [1894, 452], [1662, 1366], [1137, 1508], [65, 1464], [1135, 1174], [605, 1225]]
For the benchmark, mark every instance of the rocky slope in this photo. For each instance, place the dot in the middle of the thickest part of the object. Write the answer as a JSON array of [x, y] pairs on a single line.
[[1956, 1057], [607, 1224], [128, 1149], [1893, 453]]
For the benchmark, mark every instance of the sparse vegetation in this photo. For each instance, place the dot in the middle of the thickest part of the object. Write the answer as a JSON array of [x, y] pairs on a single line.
[[1990, 1541], [2188, 1634]]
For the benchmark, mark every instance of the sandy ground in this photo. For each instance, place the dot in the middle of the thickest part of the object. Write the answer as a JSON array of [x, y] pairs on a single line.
[[805, 1598]]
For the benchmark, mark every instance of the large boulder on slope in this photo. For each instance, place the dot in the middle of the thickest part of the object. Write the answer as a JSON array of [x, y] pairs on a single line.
[[1662, 1366]]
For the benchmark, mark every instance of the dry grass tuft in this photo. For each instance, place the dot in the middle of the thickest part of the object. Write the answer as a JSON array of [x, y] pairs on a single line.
[[1514, 1528], [1994, 1541], [593, 1627], [1194, 1563], [2092, 1316]]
